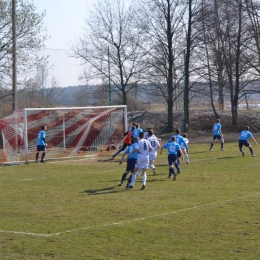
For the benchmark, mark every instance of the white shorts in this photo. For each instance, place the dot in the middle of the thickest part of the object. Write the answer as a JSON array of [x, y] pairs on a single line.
[[152, 157], [142, 162], [184, 150]]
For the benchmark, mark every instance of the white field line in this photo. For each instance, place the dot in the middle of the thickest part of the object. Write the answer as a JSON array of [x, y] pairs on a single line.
[[128, 221]]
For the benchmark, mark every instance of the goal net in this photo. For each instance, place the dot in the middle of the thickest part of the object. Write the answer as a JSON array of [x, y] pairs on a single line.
[[71, 131]]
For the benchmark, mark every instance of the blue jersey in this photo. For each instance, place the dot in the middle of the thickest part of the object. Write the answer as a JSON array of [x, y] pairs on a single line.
[[216, 129], [180, 140], [129, 150], [172, 147], [41, 135], [136, 132], [244, 135]]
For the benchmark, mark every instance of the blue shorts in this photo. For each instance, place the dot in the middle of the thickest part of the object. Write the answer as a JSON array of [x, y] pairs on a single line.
[[41, 148], [216, 137], [130, 166], [243, 142], [172, 158]]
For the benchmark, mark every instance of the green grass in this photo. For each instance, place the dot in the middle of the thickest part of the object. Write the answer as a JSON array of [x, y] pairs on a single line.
[[75, 210]]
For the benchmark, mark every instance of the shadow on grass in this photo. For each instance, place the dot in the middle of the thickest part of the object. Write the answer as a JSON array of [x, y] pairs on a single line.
[[200, 152], [108, 190], [227, 157], [106, 160]]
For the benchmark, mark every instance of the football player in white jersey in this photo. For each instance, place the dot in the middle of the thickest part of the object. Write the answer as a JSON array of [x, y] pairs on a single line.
[[144, 148], [153, 154], [146, 135]]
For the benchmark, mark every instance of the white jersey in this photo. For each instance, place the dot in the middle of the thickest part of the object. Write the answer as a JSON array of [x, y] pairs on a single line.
[[143, 147], [182, 144], [154, 143]]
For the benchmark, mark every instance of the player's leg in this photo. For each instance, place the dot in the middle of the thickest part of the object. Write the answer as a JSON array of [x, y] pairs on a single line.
[[177, 165], [172, 171], [132, 181], [123, 178], [144, 164], [131, 168], [43, 155], [37, 156], [171, 160], [240, 145], [185, 154], [127, 170], [222, 144], [212, 144], [40, 148], [144, 179], [187, 157], [133, 176], [251, 150], [138, 173], [151, 163], [120, 150]]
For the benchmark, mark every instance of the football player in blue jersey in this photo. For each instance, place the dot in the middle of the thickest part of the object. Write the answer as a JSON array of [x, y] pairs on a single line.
[[217, 135], [243, 141]]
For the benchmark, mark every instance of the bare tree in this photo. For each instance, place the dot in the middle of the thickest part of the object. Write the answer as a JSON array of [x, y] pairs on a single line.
[[234, 37], [229, 49], [30, 39], [110, 46], [253, 12], [161, 23]]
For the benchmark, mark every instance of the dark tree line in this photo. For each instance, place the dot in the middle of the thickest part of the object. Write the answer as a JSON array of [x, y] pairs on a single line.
[[147, 40]]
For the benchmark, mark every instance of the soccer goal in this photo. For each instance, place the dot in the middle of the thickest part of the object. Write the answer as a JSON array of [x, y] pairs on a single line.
[[71, 132]]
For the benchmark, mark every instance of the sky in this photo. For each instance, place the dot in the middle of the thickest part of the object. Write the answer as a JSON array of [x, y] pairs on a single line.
[[64, 22]]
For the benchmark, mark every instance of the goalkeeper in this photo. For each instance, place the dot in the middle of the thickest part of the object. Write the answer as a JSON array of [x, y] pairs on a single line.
[[127, 141]]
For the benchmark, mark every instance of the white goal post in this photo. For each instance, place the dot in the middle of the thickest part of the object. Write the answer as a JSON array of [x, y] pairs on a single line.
[[71, 131]]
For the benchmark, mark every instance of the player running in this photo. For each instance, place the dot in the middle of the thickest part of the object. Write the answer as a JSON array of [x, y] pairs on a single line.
[[153, 154], [173, 150], [179, 140], [131, 161], [143, 147], [243, 141]]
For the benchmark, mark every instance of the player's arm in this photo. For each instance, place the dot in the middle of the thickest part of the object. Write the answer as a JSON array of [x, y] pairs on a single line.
[[179, 154], [135, 150], [161, 149], [122, 158], [186, 145], [43, 139], [159, 139], [254, 140]]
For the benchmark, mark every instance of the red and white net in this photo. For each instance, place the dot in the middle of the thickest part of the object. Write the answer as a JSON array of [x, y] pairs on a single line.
[[70, 132]]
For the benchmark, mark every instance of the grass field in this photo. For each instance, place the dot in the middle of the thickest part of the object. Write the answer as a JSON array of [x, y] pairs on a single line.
[[76, 210]]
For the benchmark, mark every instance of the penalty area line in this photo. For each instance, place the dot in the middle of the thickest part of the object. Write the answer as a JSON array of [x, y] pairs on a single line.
[[127, 221]]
